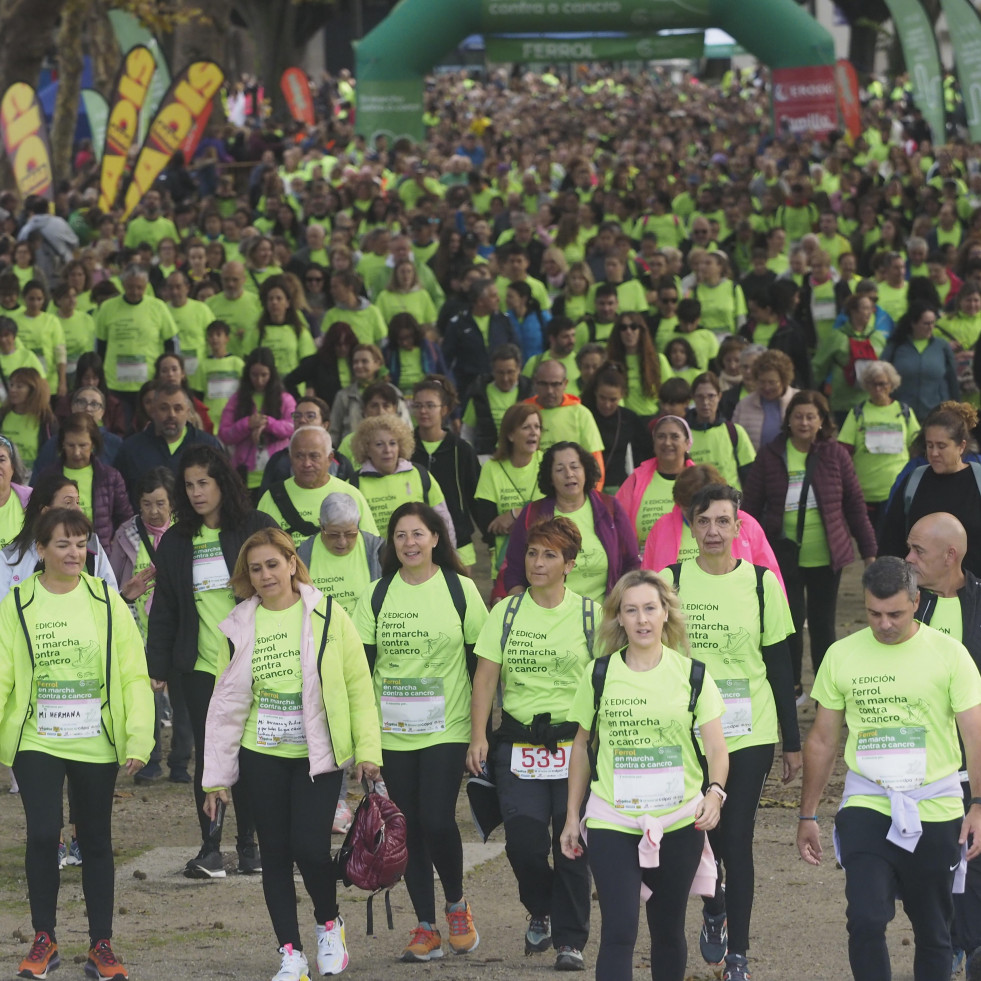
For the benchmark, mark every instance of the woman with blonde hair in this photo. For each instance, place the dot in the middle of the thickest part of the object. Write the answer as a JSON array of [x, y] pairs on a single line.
[[383, 448], [294, 708], [633, 788]]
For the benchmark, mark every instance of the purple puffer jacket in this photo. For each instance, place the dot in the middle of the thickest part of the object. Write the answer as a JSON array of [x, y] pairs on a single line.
[[610, 521], [839, 498], [110, 503]]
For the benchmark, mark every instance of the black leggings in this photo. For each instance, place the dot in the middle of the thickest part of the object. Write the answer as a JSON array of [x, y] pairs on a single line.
[[614, 863], [812, 594], [198, 689], [732, 842], [425, 784], [293, 819], [42, 779]]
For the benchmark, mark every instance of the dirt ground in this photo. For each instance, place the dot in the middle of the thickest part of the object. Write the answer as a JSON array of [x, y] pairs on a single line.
[[170, 927]]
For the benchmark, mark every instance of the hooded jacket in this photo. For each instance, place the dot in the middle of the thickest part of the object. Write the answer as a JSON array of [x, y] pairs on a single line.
[[340, 718]]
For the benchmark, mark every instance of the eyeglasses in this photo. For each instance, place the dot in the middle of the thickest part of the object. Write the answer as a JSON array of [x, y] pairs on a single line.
[[87, 404], [430, 406], [306, 416], [668, 299], [340, 536], [629, 327]]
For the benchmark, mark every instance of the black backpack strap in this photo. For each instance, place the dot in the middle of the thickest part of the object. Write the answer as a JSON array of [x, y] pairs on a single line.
[[145, 538], [695, 678], [588, 622], [427, 482], [378, 595], [676, 573], [760, 570], [455, 587], [297, 524], [734, 439], [23, 624], [323, 639], [105, 596], [510, 612], [600, 667]]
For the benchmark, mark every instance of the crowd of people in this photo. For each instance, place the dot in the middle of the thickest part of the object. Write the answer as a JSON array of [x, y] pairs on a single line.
[[667, 367]]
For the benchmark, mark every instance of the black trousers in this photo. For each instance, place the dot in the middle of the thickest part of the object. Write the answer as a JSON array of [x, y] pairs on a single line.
[[965, 933], [732, 842], [812, 595], [41, 778], [425, 784], [198, 688], [534, 814], [181, 734], [613, 860], [876, 872], [293, 819]]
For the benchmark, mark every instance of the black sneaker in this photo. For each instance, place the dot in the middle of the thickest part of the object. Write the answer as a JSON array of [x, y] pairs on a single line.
[[207, 864], [569, 959], [150, 773], [538, 936], [249, 859], [714, 938], [179, 774], [737, 968]]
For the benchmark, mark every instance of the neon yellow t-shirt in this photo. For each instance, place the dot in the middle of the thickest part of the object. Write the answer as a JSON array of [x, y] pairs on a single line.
[[410, 367], [508, 487], [135, 334], [345, 577], [881, 438], [646, 762], [275, 723], [497, 401], [83, 478], [69, 679], [79, 331], [220, 379], [192, 321], [899, 702], [573, 422], [307, 502], [657, 500], [588, 577], [421, 683], [714, 445], [385, 493], [212, 599], [545, 655], [22, 430], [287, 347], [814, 550], [723, 616], [11, 519], [948, 618]]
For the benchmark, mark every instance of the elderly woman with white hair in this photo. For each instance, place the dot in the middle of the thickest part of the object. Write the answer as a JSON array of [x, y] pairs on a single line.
[[343, 558], [878, 432]]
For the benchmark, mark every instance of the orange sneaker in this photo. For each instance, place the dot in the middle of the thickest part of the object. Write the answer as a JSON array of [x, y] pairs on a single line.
[[103, 965], [424, 945], [463, 934], [42, 957]]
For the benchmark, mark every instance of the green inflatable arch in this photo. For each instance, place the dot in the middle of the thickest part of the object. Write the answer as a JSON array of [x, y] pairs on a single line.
[[392, 61]]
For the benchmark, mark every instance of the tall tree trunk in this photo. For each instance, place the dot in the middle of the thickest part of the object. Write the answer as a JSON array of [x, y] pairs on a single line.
[[70, 65], [103, 49], [861, 48]]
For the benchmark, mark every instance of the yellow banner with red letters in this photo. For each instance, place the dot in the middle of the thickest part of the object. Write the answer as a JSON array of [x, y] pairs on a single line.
[[187, 98], [129, 95], [25, 140]]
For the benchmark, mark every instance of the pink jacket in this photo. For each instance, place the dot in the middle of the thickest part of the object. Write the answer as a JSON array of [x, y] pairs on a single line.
[[340, 718], [661, 549], [234, 433], [632, 489]]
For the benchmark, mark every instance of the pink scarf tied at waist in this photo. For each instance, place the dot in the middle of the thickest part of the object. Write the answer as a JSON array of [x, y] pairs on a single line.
[[649, 845]]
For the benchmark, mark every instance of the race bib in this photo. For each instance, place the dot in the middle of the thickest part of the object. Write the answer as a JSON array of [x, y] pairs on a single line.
[[43, 360], [411, 706], [894, 758], [191, 362], [208, 570], [794, 487], [862, 366], [884, 439], [220, 387], [648, 779], [71, 366], [738, 718], [69, 709], [131, 369], [823, 310], [261, 458], [280, 719], [529, 762]]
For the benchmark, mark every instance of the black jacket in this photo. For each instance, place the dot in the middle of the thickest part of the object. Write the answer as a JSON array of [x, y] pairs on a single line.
[[464, 350], [172, 634], [454, 467], [790, 338], [970, 597], [485, 432], [145, 450]]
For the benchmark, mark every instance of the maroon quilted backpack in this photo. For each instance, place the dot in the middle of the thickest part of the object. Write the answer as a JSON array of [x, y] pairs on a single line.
[[374, 854]]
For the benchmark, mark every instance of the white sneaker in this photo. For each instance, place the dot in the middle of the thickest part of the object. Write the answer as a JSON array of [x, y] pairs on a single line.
[[332, 955], [294, 966]]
